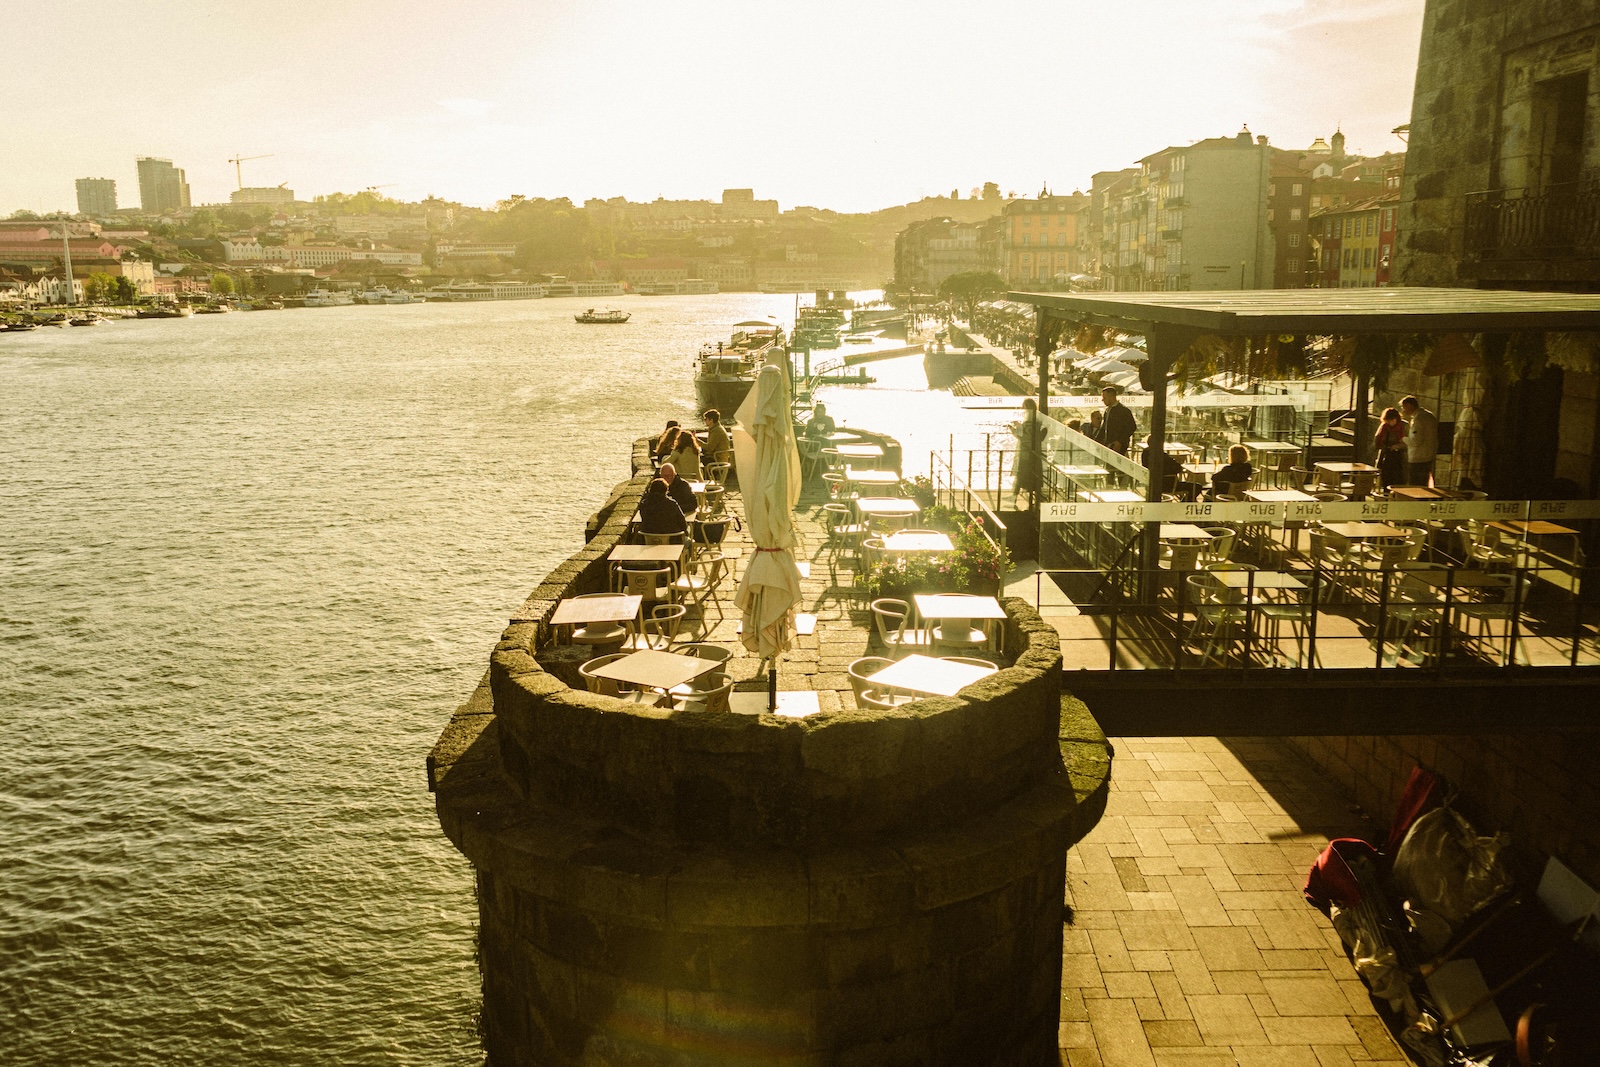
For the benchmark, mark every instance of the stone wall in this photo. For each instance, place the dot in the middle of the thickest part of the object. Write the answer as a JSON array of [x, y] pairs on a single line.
[[1542, 788], [659, 887]]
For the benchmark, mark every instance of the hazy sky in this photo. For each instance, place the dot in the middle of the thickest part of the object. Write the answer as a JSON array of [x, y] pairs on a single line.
[[846, 105]]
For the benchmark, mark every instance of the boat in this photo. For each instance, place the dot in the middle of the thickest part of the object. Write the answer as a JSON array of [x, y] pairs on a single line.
[[609, 316], [212, 309], [323, 298], [165, 311], [270, 304], [724, 372], [90, 319], [18, 327], [403, 296]]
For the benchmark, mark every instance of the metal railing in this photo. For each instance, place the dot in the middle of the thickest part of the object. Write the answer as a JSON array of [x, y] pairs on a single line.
[[1425, 617], [1563, 220], [949, 485]]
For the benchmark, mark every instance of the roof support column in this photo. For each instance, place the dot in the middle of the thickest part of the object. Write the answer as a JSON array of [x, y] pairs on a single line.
[[1164, 345]]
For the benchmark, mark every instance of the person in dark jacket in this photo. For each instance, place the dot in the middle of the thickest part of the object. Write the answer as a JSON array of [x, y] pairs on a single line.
[[1120, 425], [1239, 469], [678, 489], [658, 512]]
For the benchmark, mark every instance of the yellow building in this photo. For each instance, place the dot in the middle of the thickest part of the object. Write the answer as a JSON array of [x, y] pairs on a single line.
[[1040, 239]]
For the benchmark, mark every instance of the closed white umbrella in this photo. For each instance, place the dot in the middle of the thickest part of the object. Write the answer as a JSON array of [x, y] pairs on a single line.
[[769, 479], [1112, 366]]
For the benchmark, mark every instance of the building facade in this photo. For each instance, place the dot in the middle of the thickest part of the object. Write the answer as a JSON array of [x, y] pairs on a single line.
[[163, 188], [276, 194], [97, 197], [1356, 242], [928, 252], [1039, 239]]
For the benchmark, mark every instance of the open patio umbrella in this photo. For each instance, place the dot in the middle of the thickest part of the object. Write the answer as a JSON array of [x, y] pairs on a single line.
[[769, 478]]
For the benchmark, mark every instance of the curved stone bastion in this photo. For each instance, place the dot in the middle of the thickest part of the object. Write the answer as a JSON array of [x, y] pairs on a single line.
[[662, 887]]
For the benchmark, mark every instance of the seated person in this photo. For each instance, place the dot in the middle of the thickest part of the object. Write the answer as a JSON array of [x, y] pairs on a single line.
[[1170, 467], [1237, 470], [821, 424], [658, 512], [717, 441], [685, 457], [678, 489], [664, 444]]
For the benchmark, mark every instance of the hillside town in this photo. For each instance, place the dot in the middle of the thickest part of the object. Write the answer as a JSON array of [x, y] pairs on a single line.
[[1226, 212]]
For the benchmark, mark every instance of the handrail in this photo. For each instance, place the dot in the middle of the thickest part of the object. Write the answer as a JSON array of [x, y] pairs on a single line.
[[1440, 619], [935, 461]]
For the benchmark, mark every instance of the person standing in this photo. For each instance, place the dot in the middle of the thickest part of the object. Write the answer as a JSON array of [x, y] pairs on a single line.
[[1389, 445], [1120, 425], [717, 441], [1422, 441], [1029, 468], [1467, 445]]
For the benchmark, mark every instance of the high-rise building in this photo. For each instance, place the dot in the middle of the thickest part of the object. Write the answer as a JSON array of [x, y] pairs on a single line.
[[162, 187], [97, 196]]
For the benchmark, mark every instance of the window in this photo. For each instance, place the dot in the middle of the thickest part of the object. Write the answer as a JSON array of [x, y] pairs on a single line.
[[1273, 189], [1294, 214], [1294, 266], [1297, 189], [1027, 238], [1366, 259], [1269, 214], [1557, 132], [1294, 240], [1372, 225]]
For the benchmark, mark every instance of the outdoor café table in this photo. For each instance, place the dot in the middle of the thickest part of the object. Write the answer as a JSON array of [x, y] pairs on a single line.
[[1339, 467], [935, 607], [1258, 580], [886, 505], [1114, 496], [792, 703], [580, 611], [657, 670], [1418, 492], [859, 451], [1271, 446], [1197, 467], [901, 541], [925, 674], [646, 554], [865, 476], [697, 488], [1536, 528], [1461, 578], [1363, 531], [1081, 470], [1182, 531], [1269, 496]]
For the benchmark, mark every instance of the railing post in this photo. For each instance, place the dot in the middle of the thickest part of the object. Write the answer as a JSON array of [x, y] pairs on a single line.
[[1383, 619], [1249, 618], [1311, 623], [1516, 614], [1113, 630]]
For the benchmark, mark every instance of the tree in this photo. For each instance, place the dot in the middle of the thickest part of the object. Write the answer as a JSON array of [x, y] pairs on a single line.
[[99, 287], [969, 287], [991, 191], [221, 284], [124, 291]]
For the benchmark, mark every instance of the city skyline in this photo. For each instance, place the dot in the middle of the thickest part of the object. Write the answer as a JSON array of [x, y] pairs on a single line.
[[841, 108]]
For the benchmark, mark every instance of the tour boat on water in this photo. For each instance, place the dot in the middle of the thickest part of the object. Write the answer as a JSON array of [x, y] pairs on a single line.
[[725, 371], [324, 298], [610, 316]]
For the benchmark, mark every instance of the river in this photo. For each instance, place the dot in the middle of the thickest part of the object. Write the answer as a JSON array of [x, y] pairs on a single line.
[[248, 565]]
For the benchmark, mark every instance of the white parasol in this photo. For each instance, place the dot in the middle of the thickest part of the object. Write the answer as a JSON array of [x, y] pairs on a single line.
[[769, 478]]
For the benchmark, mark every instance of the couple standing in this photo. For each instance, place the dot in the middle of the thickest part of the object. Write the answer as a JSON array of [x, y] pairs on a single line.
[[1407, 442]]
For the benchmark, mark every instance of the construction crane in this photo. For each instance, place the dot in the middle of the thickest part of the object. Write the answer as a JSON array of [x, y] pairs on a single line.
[[375, 188], [238, 165]]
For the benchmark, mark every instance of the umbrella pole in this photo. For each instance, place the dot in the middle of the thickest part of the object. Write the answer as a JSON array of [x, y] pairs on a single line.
[[772, 688]]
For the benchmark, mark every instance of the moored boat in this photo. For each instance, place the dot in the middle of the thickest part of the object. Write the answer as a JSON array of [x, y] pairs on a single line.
[[724, 372], [90, 319]]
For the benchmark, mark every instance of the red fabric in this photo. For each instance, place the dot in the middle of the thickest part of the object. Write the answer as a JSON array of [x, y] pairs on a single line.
[[1331, 881], [1421, 793]]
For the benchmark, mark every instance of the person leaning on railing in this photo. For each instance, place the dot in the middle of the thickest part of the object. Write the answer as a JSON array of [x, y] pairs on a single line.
[[1120, 425], [1030, 450]]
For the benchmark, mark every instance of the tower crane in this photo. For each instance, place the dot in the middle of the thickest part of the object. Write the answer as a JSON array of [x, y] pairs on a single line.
[[238, 165]]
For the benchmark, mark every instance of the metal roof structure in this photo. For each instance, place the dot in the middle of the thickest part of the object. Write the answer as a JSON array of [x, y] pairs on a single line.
[[1258, 312]]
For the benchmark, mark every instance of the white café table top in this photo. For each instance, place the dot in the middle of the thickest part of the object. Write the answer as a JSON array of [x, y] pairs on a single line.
[[646, 553], [1363, 531], [657, 670], [1340, 467], [583, 610], [792, 703], [1258, 579], [1180, 531], [1269, 496], [865, 476], [1114, 496], [886, 505], [924, 674], [1082, 470], [901, 541], [1271, 446], [957, 606], [860, 451], [1208, 467]]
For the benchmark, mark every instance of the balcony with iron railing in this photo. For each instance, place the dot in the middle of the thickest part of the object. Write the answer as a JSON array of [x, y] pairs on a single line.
[[1560, 222]]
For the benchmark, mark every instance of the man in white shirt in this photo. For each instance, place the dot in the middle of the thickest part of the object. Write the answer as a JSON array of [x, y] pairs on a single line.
[[1422, 441]]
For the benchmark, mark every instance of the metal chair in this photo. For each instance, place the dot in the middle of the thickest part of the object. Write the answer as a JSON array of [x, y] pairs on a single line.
[[861, 672], [660, 630], [662, 538], [611, 687], [652, 585], [699, 581], [601, 633], [892, 620], [713, 699]]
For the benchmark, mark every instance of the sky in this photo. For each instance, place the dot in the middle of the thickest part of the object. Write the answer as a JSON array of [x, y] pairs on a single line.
[[851, 106]]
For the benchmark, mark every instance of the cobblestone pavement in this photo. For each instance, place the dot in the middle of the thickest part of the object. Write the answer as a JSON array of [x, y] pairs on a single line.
[[1190, 943]]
